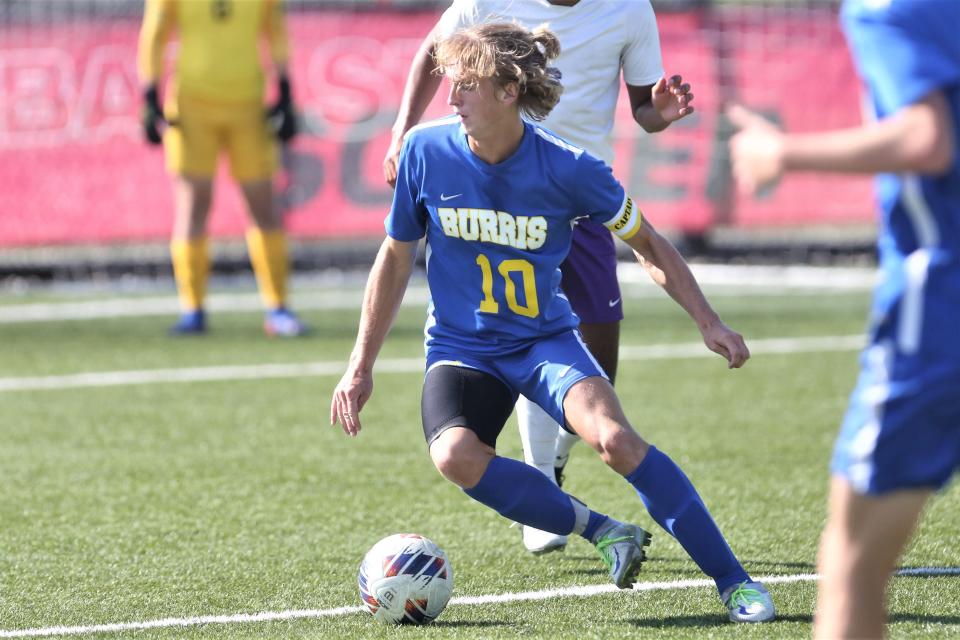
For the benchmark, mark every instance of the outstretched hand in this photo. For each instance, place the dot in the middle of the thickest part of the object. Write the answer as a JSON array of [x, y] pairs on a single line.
[[721, 339], [756, 150], [671, 98], [351, 393]]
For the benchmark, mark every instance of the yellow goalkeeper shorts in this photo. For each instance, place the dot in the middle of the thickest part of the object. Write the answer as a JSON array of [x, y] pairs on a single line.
[[201, 129]]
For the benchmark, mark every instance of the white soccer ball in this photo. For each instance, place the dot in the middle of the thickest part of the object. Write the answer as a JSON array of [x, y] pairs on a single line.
[[405, 579]]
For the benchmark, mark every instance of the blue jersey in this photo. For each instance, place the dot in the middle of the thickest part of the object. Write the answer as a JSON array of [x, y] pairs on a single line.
[[902, 427], [905, 50], [496, 234]]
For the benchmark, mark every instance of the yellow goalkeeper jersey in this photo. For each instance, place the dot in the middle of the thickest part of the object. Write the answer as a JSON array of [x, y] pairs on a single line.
[[219, 57]]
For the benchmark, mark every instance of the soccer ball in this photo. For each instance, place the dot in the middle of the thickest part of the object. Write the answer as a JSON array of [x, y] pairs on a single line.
[[405, 579]]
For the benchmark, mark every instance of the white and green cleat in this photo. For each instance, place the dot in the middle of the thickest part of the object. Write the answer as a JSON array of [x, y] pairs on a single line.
[[749, 602]]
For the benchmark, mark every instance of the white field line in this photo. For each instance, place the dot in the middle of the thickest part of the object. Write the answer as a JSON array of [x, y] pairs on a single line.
[[395, 365], [294, 614], [740, 280]]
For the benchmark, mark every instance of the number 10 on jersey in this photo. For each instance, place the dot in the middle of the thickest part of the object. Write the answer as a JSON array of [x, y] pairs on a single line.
[[506, 268]]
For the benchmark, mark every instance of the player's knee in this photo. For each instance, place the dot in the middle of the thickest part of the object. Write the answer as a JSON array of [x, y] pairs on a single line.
[[621, 448], [459, 460]]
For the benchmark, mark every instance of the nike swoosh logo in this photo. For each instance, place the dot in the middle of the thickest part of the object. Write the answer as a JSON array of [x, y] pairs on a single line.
[[445, 198], [564, 371], [614, 303]]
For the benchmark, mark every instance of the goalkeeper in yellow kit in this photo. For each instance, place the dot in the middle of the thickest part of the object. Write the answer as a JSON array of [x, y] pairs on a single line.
[[215, 104]]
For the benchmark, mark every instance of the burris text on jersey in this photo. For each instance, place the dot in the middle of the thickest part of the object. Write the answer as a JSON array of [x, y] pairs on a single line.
[[498, 227]]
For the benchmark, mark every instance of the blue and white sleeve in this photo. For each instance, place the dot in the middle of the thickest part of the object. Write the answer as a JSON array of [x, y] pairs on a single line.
[[407, 220], [603, 199]]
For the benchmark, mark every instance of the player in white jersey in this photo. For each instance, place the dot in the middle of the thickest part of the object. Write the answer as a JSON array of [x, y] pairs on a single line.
[[600, 40], [900, 439]]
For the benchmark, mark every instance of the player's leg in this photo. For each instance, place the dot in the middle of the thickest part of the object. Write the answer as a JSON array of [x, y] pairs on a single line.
[[603, 340], [899, 441], [593, 411], [463, 412], [861, 543], [538, 437], [590, 283], [253, 153], [191, 151]]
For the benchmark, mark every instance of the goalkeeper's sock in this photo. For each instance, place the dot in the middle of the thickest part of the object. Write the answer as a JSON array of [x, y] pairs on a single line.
[[674, 504], [191, 270], [521, 493], [268, 255]]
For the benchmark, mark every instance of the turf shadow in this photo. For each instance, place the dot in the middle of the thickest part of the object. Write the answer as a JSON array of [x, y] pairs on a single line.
[[704, 621], [466, 624]]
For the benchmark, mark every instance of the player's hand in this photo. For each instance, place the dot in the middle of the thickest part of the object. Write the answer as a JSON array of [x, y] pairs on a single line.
[[152, 115], [721, 339], [282, 116], [756, 150], [351, 393], [671, 98], [392, 160]]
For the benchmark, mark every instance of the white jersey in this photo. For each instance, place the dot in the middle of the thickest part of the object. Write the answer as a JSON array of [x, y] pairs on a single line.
[[598, 38]]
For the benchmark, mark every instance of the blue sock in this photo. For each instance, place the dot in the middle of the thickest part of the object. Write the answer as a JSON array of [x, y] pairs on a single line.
[[523, 494], [675, 505], [593, 525]]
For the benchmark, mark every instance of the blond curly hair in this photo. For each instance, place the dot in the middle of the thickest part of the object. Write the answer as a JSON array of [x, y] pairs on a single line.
[[506, 53]]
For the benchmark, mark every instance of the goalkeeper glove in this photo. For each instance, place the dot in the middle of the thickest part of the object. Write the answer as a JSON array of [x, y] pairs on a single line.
[[282, 116], [152, 115]]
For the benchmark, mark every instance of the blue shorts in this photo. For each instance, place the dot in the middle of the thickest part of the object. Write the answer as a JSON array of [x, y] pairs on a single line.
[[543, 372], [589, 274], [902, 427]]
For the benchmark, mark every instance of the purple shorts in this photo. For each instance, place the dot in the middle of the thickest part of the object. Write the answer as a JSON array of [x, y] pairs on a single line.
[[589, 274]]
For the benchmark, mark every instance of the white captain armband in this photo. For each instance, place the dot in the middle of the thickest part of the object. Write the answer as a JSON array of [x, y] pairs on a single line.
[[627, 221]]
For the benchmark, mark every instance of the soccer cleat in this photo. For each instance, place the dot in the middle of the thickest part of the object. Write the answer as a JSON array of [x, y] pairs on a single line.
[[539, 542], [622, 551], [749, 602], [283, 323], [558, 474], [190, 323], [559, 464]]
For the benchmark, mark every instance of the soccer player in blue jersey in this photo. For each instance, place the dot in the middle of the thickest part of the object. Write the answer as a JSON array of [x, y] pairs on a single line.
[[900, 439], [605, 46], [496, 198]]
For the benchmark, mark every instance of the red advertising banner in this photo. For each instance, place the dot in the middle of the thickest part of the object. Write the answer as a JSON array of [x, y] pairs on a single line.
[[74, 169]]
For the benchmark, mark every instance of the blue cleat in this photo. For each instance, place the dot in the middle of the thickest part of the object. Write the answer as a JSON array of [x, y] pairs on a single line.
[[749, 602], [190, 323], [622, 551], [283, 323]]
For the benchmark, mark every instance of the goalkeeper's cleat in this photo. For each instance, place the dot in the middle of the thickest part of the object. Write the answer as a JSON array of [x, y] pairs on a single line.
[[749, 602], [622, 551], [539, 542], [191, 323], [283, 323]]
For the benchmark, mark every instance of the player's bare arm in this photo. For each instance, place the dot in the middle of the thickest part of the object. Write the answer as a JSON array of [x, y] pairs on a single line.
[[668, 269], [422, 84], [656, 106], [917, 139], [381, 302]]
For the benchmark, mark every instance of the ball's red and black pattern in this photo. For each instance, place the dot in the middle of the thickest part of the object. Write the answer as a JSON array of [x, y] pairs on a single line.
[[405, 579]]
